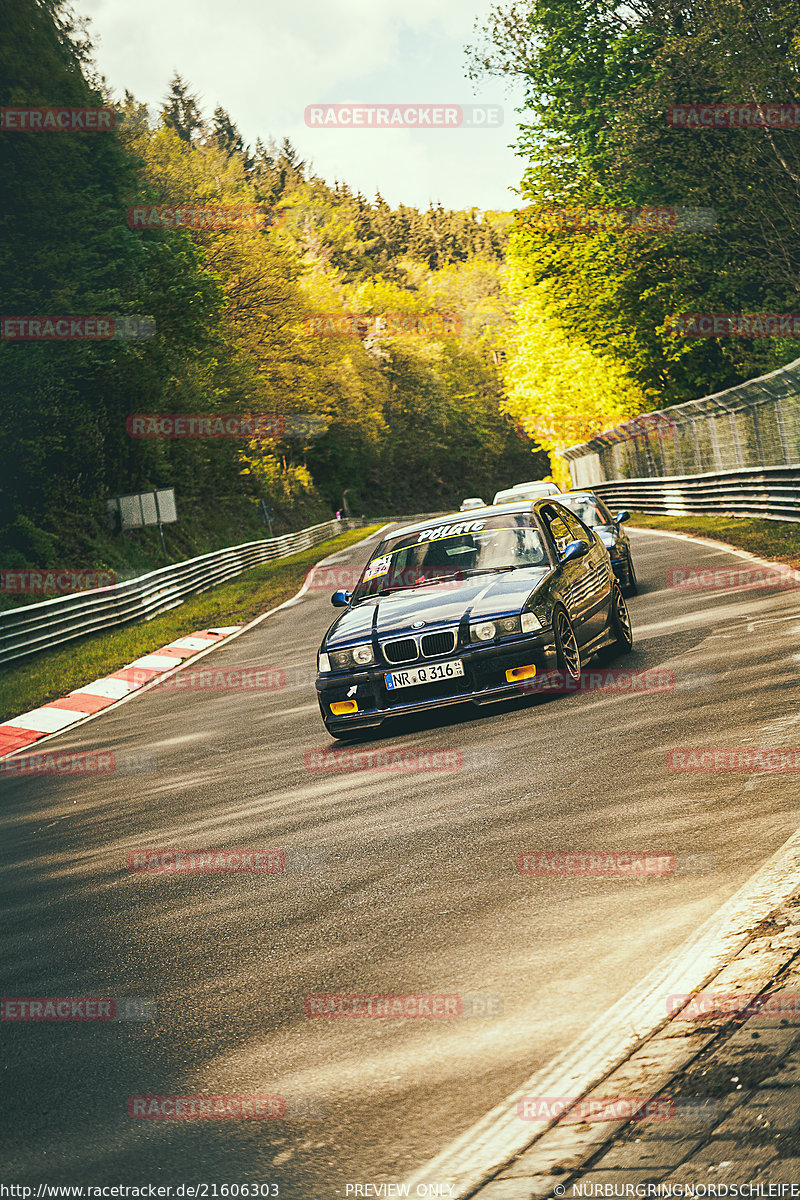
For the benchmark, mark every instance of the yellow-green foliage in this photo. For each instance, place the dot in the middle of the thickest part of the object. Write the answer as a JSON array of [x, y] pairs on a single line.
[[558, 389]]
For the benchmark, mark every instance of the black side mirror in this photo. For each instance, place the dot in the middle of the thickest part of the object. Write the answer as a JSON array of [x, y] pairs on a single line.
[[341, 599], [574, 550], [622, 516]]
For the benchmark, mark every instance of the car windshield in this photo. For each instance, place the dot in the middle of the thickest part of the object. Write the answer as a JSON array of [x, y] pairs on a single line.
[[452, 551], [590, 510]]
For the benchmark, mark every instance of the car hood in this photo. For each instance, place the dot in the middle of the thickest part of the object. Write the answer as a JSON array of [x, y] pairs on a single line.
[[436, 604]]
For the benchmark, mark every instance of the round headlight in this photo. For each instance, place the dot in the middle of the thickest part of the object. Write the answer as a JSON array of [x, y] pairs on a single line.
[[485, 631], [363, 655], [508, 624], [340, 659]]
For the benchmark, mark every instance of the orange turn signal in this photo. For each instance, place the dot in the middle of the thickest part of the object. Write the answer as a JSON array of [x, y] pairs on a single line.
[[517, 673], [340, 707]]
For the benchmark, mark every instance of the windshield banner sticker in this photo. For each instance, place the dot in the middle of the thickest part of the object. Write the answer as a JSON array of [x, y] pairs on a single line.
[[443, 531]]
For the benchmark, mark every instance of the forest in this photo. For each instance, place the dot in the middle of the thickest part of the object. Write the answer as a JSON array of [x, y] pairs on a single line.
[[405, 358], [225, 298]]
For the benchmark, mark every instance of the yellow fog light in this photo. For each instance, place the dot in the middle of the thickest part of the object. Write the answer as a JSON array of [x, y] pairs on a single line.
[[517, 673], [340, 707]]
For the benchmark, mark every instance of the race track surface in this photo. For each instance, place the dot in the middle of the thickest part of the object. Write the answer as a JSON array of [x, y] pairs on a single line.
[[397, 882]]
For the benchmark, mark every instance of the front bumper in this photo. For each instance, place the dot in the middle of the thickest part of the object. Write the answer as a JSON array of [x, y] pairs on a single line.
[[483, 682], [619, 565]]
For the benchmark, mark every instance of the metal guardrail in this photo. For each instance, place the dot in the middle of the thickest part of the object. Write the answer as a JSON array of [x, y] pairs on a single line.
[[771, 493], [51, 623]]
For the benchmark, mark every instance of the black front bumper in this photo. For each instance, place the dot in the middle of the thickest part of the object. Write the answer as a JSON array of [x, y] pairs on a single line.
[[483, 682], [620, 568]]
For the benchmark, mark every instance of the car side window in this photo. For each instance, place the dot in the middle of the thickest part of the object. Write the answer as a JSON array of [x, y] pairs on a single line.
[[558, 529], [577, 531]]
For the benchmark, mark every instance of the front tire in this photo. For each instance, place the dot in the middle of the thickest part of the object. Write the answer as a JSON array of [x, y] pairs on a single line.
[[631, 584], [568, 654], [619, 623]]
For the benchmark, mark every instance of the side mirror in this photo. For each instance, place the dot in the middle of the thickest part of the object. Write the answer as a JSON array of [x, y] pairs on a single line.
[[622, 516], [574, 550], [341, 599]]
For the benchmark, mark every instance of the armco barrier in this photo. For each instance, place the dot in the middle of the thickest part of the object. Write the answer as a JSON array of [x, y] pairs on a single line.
[[772, 493], [41, 626]]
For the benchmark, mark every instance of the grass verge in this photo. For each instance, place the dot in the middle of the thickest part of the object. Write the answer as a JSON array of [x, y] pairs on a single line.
[[777, 541], [48, 676]]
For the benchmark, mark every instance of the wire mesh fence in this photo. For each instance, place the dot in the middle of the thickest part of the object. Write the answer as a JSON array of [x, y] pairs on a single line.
[[756, 424]]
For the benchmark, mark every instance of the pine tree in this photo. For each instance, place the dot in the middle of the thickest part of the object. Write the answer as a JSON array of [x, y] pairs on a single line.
[[181, 110]]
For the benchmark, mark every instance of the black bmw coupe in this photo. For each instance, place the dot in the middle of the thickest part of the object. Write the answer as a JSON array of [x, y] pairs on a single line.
[[469, 607]]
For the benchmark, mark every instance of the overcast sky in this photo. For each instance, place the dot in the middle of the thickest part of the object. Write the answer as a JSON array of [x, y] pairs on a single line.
[[265, 62]]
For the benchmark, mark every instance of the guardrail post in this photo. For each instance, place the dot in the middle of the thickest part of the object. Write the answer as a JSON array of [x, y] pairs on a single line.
[[757, 432], [712, 431], [698, 458], [737, 447], [779, 417]]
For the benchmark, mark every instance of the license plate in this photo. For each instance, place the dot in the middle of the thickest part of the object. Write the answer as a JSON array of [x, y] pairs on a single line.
[[417, 675]]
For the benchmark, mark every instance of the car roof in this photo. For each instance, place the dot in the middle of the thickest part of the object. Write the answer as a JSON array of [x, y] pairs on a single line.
[[491, 510], [521, 488]]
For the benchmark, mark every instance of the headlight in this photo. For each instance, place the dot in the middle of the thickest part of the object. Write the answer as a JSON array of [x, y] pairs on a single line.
[[608, 540], [360, 656], [530, 623], [484, 631], [506, 625], [323, 664]]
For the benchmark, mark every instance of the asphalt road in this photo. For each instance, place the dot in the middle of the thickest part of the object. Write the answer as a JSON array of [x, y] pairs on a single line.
[[395, 882]]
